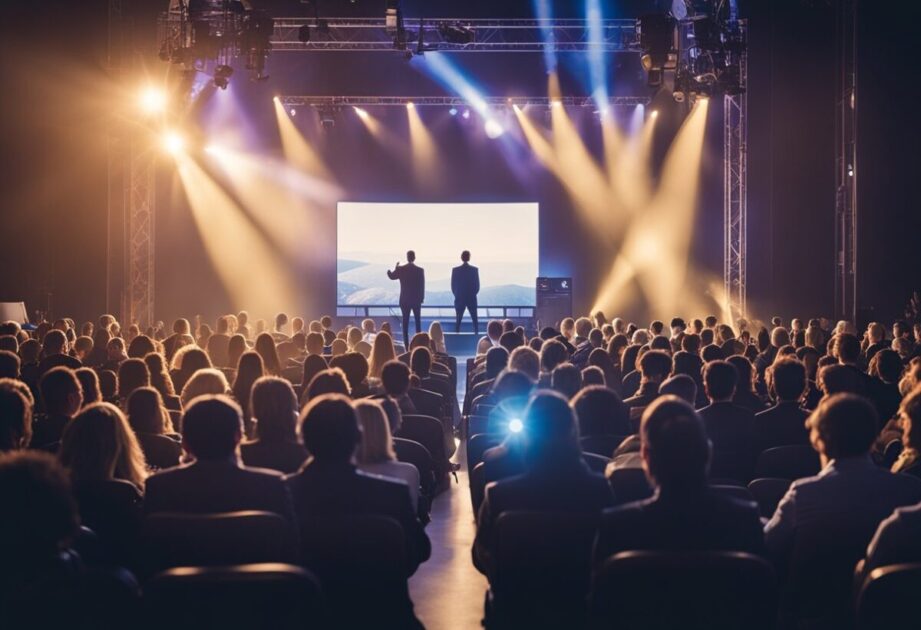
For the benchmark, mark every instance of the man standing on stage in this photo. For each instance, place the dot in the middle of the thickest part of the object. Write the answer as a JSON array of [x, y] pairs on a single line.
[[412, 292], [465, 284]]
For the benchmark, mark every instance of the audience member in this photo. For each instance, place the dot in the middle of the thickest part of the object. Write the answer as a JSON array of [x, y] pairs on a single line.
[[784, 424], [376, 455], [62, 398], [729, 426], [274, 411], [152, 424]]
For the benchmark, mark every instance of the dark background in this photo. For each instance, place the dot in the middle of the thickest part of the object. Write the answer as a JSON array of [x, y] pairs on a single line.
[[58, 97]]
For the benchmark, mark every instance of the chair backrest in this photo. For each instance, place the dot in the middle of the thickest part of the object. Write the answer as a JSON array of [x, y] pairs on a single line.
[[428, 432], [768, 491], [731, 464], [412, 452], [478, 444], [171, 540], [428, 403], [477, 487], [603, 445], [670, 589], [736, 492], [888, 595], [269, 595], [597, 463], [629, 484], [788, 462], [477, 424]]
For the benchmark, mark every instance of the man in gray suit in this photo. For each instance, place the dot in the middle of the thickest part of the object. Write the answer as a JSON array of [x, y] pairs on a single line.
[[465, 284], [412, 291]]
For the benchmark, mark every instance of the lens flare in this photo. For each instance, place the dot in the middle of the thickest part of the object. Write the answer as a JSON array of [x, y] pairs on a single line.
[[152, 100], [515, 425], [173, 142]]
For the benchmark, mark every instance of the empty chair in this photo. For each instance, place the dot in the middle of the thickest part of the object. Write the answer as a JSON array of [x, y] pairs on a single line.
[[542, 569], [478, 444], [669, 589], [361, 561], [768, 491], [788, 462], [888, 596], [270, 595], [427, 402], [172, 540], [603, 445]]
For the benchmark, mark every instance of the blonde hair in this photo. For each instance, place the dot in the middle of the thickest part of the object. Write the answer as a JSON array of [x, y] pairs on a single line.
[[376, 441], [205, 381], [381, 352], [436, 332], [98, 444]]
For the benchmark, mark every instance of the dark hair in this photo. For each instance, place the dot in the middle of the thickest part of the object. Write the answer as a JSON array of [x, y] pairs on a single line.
[[132, 373], [159, 375], [274, 407], [655, 364], [511, 384], [410, 255], [89, 385], [329, 428], [592, 375], [212, 426], [675, 443], [691, 343], [330, 381], [355, 367], [54, 340], [566, 379], [788, 378], [721, 379], [15, 417], [56, 385], [706, 337], [600, 411], [682, 386], [249, 369], [145, 411], [313, 365], [550, 435], [839, 379], [745, 373], [711, 352], [656, 327], [40, 513], [628, 360], [888, 365], [141, 346], [265, 346], [465, 256], [846, 424], [510, 340], [421, 362], [496, 360], [395, 378], [235, 349], [847, 347], [552, 354], [9, 364]]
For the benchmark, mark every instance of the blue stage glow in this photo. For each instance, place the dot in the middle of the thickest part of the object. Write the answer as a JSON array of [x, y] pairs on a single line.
[[596, 63], [543, 11], [515, 425], [443, 70], [466, 114]]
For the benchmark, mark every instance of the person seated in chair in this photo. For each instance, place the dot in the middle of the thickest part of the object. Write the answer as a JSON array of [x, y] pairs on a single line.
[[730, 427], [62, 397], [850, 486], [556, 479], [274, 407], [212, 428], [784, 424], [655, 366], [330, 484], [684, 514]]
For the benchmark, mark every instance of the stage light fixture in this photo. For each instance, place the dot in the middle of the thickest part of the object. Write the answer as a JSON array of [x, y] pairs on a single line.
[[292, 111], [654, 113], [453, 111], [361, 113], [173, 142], [410, 105], [222, 74], [466, 114], [456, 33], [303, 34], [152, 100], [659, 42], [493, 128]]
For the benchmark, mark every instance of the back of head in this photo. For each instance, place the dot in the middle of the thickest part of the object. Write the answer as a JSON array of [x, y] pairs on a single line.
[[510, 384], [99, 445], [9, 364], [15, 416], [274, 408], [330, 381], [314, 343], [376, 441], [838, 379], [910, 416], [682, 386], [146, 412], [411, 256], [329, 428], [40, 513], [496, 360], [551, 437], [313, 365], [675, 448], [655, 365], [661, 343], [780, 337], [523, 359], [656, 327], [61, 392], [355, 367], [494, 329], [54, 342], [395, 378], [843, 425], [592, 375], [788, 377], [720, 379], [691, 343], [583, 327], [510, 340], [888, 365], [421, 362], [566, 379], [204, 382], [745, 371], [141, 346], [212, 427], [847, 347], [465, 256], [599, 411], [552, 354], [132, 373]]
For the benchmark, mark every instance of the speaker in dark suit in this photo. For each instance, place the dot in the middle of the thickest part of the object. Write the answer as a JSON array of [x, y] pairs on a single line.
[[465, 284], [412, 292]]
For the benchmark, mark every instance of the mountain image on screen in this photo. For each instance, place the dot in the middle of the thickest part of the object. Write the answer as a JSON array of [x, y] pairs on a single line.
[[507, 270]]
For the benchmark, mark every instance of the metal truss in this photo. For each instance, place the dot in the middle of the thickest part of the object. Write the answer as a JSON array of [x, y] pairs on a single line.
[[846, 163], [452, 101], [531, 35], [735, 194], [140, 236]]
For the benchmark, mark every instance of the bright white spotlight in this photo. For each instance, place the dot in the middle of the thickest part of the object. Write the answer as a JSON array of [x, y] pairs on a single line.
[[152, 100], [292, 111], [410, 105], [276, 99], [453, 111], [515, 425], [493, 128], [654, 113], [173, 143], [361, 113], [466, 114]]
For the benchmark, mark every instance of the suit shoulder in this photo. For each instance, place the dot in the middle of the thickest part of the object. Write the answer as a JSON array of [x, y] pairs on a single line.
[[262, 473]]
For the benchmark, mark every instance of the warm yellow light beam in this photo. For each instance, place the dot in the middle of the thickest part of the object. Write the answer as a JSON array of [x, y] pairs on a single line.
[[173, 142], [251, 271], [152, 100], [296, 148], [381, 133], [629, 170], [424, 151], [537, 141]]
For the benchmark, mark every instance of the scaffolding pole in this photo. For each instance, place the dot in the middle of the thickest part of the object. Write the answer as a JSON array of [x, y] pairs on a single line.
[[735, 196], [846, 163]]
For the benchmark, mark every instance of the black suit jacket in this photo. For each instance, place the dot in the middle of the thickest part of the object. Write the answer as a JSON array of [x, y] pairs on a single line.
[[217, 486], [691, 521], [320, 489], [783, 424], [412, 283], [731, 430], [572, 488], [465, 283]]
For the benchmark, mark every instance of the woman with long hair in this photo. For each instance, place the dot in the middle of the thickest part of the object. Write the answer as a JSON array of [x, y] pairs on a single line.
[[187, 360], [375, 454], [161, 381], [235, 349], [381, 352], [265, 346], [275, 414], [132, 373], [313, 365], [150, 422], [89, 384], [249, 370]]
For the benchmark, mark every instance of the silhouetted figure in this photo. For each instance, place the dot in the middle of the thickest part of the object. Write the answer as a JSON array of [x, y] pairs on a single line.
[[465, 284], [412, 291]]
